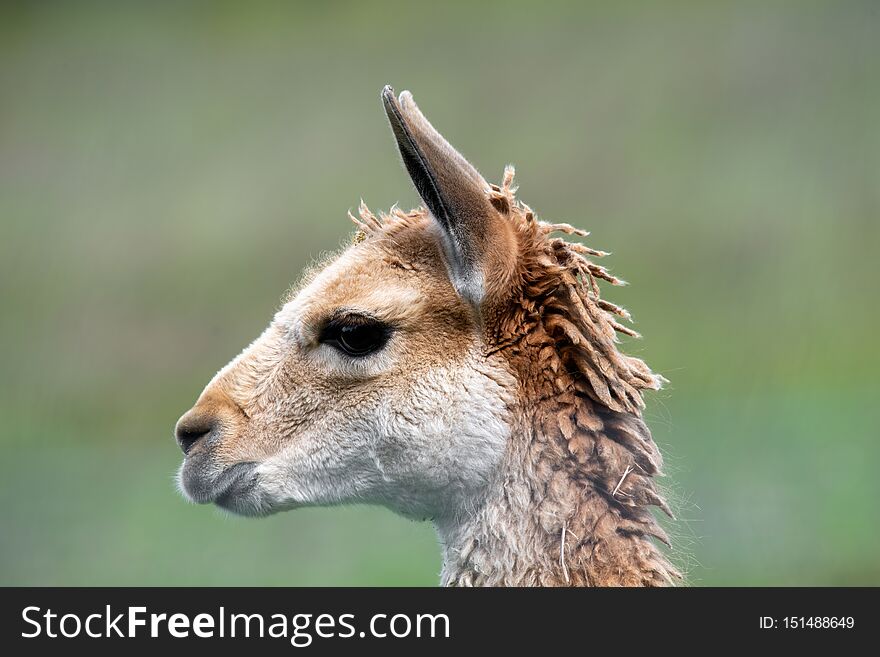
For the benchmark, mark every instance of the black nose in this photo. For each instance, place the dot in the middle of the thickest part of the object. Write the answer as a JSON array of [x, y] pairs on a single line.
[[192, 428]]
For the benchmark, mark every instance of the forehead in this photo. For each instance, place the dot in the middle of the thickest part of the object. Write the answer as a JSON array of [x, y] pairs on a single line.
[[397, 275]]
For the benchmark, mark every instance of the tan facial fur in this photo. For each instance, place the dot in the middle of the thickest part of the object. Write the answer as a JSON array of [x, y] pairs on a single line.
[[419, 426]]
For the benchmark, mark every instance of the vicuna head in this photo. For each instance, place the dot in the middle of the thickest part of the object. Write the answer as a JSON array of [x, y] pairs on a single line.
[[455, 363]]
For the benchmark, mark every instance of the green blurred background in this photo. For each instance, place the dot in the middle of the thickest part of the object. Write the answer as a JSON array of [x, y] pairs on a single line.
[[166, 170]]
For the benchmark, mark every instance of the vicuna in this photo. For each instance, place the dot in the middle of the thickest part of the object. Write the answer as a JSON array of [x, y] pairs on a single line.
[[455, 363]]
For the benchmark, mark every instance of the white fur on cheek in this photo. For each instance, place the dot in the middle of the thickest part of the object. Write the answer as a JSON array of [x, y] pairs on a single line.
[[423, 451], [439, 444]]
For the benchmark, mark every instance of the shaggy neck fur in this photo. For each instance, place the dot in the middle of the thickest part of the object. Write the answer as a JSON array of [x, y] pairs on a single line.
[[570, 506], [564, 511]]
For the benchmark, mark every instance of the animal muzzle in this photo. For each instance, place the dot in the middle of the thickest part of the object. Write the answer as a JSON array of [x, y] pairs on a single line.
[[206, 476]]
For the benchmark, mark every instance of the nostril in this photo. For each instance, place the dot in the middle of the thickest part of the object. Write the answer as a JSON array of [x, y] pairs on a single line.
[[191, 430]]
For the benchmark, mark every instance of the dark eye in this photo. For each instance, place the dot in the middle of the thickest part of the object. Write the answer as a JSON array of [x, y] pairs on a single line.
[[356, 335]]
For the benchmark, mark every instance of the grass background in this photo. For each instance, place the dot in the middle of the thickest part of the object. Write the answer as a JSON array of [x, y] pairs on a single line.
[[166, 170]]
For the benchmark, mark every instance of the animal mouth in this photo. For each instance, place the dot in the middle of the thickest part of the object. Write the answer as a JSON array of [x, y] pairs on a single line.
[[232, 488]]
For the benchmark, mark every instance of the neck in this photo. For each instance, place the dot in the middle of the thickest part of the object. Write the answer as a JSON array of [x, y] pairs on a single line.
[[568, 507]]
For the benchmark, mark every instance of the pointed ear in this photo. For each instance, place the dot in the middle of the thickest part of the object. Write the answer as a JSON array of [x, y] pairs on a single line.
[[478, 241]]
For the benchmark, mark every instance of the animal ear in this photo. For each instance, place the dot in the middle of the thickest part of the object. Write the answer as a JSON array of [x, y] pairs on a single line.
[[478, 241]]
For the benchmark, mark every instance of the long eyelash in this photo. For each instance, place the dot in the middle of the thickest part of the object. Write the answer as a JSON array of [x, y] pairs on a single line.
[[336, 324], [342, 315]]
